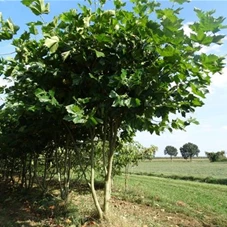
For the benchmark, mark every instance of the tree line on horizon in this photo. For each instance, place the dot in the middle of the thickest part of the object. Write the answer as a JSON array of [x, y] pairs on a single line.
[[189, 150]]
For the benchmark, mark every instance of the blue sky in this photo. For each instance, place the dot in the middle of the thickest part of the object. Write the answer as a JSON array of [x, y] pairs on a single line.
[[211, 134]]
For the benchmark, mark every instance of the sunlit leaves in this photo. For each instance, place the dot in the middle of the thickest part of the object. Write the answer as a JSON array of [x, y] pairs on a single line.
[[46, 97], [52, 43], [128, 67], [68, 16], [99, 54], [65, 55], [32, 27], [124, 100], [119, 4], [196, 91], [180, 1], [38, 7], [167, 51], [208, 22], [75, 114], [7, 28]]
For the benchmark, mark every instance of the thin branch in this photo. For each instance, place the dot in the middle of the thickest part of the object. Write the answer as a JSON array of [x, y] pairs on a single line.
[[8, 53]]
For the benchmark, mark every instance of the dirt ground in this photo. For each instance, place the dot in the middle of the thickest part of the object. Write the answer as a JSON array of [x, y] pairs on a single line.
[[128, 214], [20, 212]]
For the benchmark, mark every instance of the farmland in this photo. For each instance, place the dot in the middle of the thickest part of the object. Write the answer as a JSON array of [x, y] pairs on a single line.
[[199, 168], [203, 202]]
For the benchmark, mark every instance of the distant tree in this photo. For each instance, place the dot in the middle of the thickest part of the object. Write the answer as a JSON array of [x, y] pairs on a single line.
[[149, 153], [129, 153], [170, 150], [189, 150], [216, 156]]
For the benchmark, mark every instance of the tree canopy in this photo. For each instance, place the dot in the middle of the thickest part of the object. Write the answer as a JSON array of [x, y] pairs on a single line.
[[101, 75], [170, 150], [216, 156], [189, 150]]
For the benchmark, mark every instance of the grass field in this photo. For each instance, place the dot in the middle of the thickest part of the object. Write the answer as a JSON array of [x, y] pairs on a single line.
[[200, 168], [206, 203]]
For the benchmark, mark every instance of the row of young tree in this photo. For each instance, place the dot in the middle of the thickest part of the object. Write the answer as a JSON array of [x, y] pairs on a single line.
[[188, 151], [91, 79]]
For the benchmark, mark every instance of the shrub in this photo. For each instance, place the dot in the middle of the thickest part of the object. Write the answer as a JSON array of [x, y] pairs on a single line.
[[216, 156]]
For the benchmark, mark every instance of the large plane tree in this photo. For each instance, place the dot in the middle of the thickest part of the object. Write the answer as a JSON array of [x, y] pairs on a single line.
[[103, 74]]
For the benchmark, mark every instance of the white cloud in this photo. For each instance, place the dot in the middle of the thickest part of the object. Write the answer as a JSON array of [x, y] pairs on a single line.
[[219, 80], [224, 127], [3, 82], [210, 49], [187, 30]]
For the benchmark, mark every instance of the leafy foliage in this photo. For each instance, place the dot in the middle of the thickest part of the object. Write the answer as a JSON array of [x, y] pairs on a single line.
[[7, 29], [149, 153], [189, 150], [100, 76], [216, 156], [170, 150]]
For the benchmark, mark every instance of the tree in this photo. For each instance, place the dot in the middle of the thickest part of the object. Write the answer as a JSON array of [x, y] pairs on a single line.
[[101, 75], [189, 150], [170, 150], [149, 153], [216, 156]]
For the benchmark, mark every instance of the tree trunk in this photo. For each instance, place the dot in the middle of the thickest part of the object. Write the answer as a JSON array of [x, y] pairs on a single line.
[[108, 184], [108, 177], [92, 180]]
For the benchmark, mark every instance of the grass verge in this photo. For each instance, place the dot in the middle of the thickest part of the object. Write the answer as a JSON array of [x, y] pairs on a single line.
[[206, 203]]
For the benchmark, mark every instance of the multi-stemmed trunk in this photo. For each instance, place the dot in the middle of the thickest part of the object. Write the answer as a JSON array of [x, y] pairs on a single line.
[[107, 165]]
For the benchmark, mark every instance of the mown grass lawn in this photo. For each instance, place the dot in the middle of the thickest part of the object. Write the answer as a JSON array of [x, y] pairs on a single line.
[[204, 202], [197, 168]]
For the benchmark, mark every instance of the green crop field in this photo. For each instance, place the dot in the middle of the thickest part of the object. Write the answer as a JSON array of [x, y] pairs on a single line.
[[200, 168], [206, 203]]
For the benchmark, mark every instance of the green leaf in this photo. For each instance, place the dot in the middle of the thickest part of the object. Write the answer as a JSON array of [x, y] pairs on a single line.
[[65, 55], [197, 102], [103, 38], [76, 114], [32, 27], [52, 43], [86, 21], [167, 51], [53, 99], [113, 94], [27, 2], [196, 90], [73, 109], [46, 97], [119, 4], [135, 102], [38, 7], [180, 1], [99, 54], [68, 16], [92, 121], [218, 39], [41, 95]]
